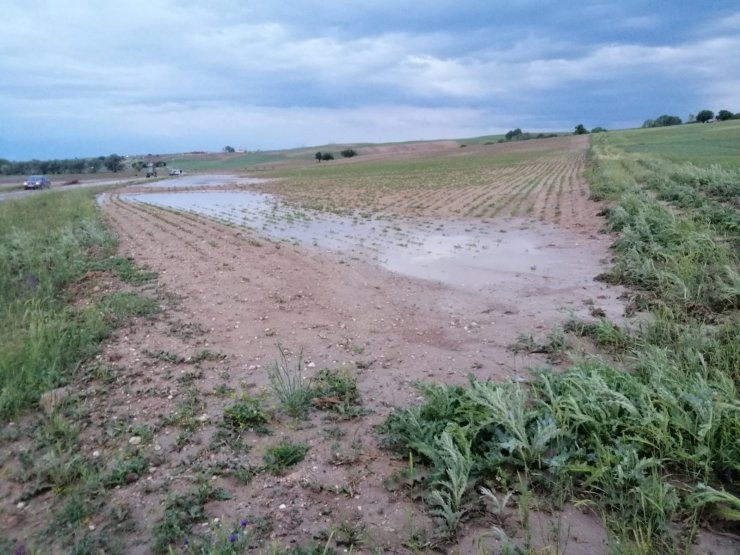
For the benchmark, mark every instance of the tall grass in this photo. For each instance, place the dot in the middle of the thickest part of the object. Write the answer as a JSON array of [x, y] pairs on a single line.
[[47, 241], [651, 444]]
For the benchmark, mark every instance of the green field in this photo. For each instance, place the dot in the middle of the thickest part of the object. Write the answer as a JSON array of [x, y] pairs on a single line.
[[700, 144]]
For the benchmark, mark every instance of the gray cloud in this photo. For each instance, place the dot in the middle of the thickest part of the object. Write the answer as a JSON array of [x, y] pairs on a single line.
[[173, 74]]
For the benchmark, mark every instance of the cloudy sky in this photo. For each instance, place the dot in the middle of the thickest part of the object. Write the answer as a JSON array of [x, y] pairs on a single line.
[[84, 77]]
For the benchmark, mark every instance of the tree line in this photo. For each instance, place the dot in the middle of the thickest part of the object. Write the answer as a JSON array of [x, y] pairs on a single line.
[[113, 163], [703, 116]]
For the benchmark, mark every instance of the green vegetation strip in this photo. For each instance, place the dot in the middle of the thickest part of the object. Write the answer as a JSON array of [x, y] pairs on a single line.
[[652, 446], [49, 242]]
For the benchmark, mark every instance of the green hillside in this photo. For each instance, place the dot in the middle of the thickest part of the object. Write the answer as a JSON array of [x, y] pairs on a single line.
[[701, 144]]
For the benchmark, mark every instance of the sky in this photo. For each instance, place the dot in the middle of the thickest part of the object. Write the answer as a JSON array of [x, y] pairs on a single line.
[[85, 78]]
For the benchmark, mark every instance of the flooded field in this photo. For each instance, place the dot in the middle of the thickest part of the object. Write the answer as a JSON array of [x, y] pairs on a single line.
[[510, 257]]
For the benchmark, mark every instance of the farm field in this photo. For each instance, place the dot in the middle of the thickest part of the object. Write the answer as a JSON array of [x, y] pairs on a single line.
[[253, 379], [700, 144]]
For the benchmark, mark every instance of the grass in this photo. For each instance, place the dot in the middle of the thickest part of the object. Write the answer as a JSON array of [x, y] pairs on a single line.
[[293, 391], [181, 511], [48, 245], [700, 144], [651, 444], [283, 455]]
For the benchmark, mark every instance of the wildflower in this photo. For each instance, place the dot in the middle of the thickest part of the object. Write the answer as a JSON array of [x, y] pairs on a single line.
[[244, 522], [187, 541], [233, 537]]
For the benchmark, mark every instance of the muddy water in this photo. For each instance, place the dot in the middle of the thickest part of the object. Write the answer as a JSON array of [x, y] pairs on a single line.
[[508, 259], [209, 180]]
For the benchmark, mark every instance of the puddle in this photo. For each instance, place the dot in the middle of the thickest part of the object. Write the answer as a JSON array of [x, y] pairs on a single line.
[[209, 180], [475, 255]]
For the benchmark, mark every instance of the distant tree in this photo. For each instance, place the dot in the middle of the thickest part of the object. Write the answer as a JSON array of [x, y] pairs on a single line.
[[228, 148], [78, 166], [666, 120], [704, 116], [580, 130], [95, 165], [348, 153], [114, 163], [138, 165], [513, 134], [319, 156], [724, 115], [327, 156], [662, 121], [598, 130], [160, 164]]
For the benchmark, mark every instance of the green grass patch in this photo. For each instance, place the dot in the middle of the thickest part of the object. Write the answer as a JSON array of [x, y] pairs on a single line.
[[47, 243], [283, 455], [121, 307]]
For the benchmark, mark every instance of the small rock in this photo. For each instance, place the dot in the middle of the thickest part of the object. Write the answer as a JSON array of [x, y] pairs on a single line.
[[202, 418], [96, 454], [91, 527], [282, 506], [20, 505], [135, 440]]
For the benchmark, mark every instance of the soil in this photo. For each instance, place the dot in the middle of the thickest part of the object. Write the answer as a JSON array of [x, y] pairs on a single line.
[[240, 296]]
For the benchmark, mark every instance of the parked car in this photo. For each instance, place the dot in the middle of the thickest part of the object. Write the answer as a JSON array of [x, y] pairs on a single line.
[[37, 182], [176, 172]]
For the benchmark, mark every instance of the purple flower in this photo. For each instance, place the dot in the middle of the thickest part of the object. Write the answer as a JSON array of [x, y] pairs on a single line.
[[244, 522], [187, 541], [233, 538]]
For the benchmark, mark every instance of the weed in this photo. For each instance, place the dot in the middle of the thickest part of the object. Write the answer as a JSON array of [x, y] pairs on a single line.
[[496, 506], [120, 307], [289, 386], [124, 268], [181, 511], [336, 391], [246, 413], [126, 470], [206, 355], [349, 534], [283, 455], [184, 415], [447, 491]]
